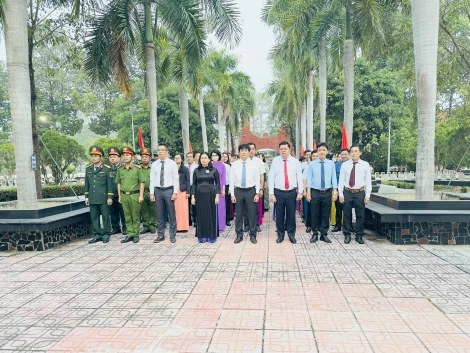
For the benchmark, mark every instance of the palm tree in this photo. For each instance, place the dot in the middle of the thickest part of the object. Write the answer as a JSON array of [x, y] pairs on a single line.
[[128, 26], [425, 18], [14, 17]]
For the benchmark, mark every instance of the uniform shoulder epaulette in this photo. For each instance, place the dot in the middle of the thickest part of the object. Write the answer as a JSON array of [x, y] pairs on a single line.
[[88, 165], [107, 166], [138, 166]]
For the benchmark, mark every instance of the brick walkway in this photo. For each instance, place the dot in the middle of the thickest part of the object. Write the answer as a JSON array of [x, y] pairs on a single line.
[[222, 297]]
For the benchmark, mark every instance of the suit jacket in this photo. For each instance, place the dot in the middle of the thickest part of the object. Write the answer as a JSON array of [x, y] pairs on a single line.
[[183, 173], [98, 184]]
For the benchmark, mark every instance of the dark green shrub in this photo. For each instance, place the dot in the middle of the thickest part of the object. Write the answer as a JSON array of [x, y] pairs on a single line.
[[48, 192]]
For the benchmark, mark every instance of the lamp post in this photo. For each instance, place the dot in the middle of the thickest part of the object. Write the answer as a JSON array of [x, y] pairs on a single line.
[[390, 104], [132, 110]]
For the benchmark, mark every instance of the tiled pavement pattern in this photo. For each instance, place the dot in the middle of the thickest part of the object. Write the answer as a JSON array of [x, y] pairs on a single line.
[[222, 297]]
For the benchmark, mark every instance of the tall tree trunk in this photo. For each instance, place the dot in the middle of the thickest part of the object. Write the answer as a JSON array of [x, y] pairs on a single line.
[[221, 121], [303, 125], [348, 68], [16, 43], [322, 74], [310, 110], [425, 18], [35, 136], [297, 136], [184, 114], [151, 77], [229, 139], [234, 142], [203, 121]]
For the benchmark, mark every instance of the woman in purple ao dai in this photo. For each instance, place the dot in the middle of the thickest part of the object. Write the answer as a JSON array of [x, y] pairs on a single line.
[[216, 157]]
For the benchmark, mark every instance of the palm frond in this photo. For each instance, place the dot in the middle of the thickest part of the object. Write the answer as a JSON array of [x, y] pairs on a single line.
[[224, 18]]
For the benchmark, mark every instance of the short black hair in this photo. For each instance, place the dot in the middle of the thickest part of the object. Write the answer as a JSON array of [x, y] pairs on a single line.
[[301, 159], [251, 144], [345, 149], [322, 144], [217, 152], [179, 154], [190, 153], [284, 143], [163, 144], [358, 146], [243, 146], [314, 151], [306, 151], [210, 166]]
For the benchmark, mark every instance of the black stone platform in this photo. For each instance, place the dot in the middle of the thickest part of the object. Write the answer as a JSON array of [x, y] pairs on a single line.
[[43, 229], [419, 222]]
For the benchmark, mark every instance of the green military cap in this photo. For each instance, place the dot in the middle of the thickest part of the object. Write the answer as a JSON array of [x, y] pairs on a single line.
[[96, 150], [127, 149], [146, 151], [114, 150]]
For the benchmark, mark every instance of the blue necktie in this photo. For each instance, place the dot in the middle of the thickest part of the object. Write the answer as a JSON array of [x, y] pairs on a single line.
[[322, 175], [244, 175]]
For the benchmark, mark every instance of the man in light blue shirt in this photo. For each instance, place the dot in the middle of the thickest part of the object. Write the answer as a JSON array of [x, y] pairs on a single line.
[[322, 190]]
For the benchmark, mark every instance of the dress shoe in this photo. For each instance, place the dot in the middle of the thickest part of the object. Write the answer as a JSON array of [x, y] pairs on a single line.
[[359, 239], [172, 239], [228, 224], [94, 240], [292, 240], [143, 231], [336, 229], [325, 239], [238, 240], [159, 239], [314, 238], [202, 240], [115, 231], [153, 231], [136, 239], [258, 229], [126, 239], [308, 230], [245, 229], [347, 238], [279, 240], [124, 232], [253, 239]]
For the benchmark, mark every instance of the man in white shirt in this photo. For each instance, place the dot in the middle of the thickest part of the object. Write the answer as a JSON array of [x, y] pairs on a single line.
[[285, 187], [244, 188], [354, 188], [191, 165], [261, 170], [164, 189]]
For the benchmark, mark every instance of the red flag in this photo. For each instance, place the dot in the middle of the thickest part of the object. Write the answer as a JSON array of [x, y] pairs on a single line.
[[190, 147], [314, 145], [301, 150], [344, 139], [141, 139]]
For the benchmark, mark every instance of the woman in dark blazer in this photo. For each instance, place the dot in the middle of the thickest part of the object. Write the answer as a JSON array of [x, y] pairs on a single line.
[[181, 202]]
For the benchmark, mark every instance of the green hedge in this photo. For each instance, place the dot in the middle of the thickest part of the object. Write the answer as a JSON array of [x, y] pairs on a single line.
[[399, 184], [48, 192]]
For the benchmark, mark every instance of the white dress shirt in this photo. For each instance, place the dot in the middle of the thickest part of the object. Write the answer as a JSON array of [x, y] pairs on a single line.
[[362, 178], [276, 178], [170, 176], [227, 173], [259, 162], [252, 175], [191, 167]]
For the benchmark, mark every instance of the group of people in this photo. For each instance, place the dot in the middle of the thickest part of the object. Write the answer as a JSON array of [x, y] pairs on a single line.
[[211, 189]]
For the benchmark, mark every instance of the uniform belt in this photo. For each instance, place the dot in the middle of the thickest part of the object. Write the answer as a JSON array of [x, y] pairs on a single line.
[[354, 191], [236, 187], [285, 190], [163, 189], [130, 192], [322, 191]]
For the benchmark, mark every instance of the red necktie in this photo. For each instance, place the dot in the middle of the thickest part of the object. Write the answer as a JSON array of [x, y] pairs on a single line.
[[286, 176], [352, 177]]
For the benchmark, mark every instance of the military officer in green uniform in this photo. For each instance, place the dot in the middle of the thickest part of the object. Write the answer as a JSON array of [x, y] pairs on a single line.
[[99, 194], [149, 216], [116, 211], [131, 184]]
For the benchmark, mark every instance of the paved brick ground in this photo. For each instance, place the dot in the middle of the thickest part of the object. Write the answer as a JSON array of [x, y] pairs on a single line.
[[222, 297]]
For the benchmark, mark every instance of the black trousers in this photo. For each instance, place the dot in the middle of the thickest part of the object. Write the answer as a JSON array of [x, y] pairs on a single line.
[[192, 212], [163, 200], [355, 201], [339, 213], [285, 212], [308, 215], [320, 206], [245, 216], [245, 205], [228, 201]]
